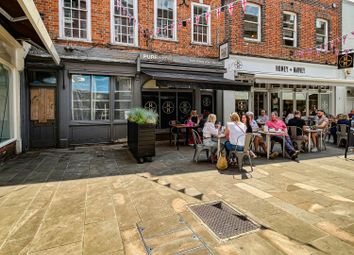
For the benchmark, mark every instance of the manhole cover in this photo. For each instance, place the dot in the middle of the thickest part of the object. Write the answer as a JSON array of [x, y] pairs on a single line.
[[224, 221]]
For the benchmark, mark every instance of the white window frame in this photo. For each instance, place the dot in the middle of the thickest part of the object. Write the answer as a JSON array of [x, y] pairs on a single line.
[[259, 27], [61, 23], [193, 20], [174, 22], [136, 33], [295, 29], [326, 33]]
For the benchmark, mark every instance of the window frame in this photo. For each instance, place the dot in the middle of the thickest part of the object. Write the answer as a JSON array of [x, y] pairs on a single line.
[[135, 26], [112, 100], [259, 23], [326, 35], [62, 27], [193, 20], [295, 44], [174, 38]]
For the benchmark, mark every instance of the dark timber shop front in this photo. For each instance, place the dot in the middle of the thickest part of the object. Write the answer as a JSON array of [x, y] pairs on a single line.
[[87, 98]]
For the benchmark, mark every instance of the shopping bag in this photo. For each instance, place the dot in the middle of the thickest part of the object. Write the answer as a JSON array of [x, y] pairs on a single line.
[[221, 164]]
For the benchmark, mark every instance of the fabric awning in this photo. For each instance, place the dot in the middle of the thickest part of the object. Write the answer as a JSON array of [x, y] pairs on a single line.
[[296, 80], [22, 20], [197, 80]]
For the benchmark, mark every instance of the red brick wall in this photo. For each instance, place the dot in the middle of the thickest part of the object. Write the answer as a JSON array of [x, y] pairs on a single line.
[[271, 45], [7, 151]]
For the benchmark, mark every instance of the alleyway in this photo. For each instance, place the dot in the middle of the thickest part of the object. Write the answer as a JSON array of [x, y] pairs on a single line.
[[97, 200]]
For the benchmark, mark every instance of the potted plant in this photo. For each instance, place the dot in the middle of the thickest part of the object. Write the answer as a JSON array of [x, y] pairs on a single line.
[[141, 133]]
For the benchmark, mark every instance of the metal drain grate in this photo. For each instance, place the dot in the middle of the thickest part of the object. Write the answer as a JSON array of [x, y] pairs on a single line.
[[224, 221]]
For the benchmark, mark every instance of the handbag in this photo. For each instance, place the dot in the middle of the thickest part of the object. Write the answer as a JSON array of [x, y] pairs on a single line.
[[222, 164]]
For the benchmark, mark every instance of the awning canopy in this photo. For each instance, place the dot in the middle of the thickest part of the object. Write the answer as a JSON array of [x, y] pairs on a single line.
[[22, 20], [196, 80], [296, 80]]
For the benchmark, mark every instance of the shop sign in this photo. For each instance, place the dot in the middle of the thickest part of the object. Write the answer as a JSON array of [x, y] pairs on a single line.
[[345, 60], [289, 69], [151, 57], [224, 51]]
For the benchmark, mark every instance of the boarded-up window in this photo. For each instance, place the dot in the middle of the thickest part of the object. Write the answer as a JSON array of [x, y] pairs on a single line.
[[42, 104]]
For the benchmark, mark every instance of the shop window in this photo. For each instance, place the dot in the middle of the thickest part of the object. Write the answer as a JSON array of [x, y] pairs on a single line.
[[165, 19], [252, 23], [301, 102], [124, 28], [75, 19], [321, 34], [289, 29], [201, 24], [90, 97], [288, 103], [122, 98], [5, 125]]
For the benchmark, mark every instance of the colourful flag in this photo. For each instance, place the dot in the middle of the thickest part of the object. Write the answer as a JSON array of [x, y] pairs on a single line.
[[197, 19], [231, 8], [207, 17], [244, 5], [180, 23], [218, 13], [344, 39], [337, 52]]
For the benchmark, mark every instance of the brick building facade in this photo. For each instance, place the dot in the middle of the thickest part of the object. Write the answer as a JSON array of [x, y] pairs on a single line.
[[135, 55]]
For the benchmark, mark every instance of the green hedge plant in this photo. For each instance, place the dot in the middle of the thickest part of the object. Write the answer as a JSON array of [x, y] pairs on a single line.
[[142, 116]]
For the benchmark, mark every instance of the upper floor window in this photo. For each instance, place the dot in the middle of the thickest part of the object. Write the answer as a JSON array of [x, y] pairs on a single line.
[[252, 22], [289, 29], [321, 33], [201, 23], [123, 27], [75, 19], [165, 19]]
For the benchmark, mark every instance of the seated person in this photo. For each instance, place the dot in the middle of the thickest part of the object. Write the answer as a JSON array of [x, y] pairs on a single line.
[[194, 117], [297, 121], [277, 124], [235, 134], [211, 130], [263, 118], [322, 123], [342, 120], [258, 139]]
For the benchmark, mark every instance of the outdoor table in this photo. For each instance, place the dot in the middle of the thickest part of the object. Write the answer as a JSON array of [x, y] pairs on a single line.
[[310, 131], [178, 127], [269, 134]]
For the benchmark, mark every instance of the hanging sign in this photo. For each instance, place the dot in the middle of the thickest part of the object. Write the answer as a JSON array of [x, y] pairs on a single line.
[[224, 51], [345, 60]]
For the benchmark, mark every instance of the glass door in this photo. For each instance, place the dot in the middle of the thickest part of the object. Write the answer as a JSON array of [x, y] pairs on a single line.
[[260, 102], [301, 103]]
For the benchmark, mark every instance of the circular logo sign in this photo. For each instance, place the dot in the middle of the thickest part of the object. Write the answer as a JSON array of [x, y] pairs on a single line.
[[185, 107], [346, 61], [206, 101], [150, 105], [241, 105], [168, 107]]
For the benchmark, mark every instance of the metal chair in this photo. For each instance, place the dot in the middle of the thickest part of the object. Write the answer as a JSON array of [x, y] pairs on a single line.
[[199, 147], [298, 140], [240, 155], [342, 133], [173, 132]]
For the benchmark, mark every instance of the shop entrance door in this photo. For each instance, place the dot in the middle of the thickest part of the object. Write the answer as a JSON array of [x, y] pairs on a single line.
[[42, 94]]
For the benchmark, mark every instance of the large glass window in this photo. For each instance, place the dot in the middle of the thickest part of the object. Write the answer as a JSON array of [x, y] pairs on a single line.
[[123, 21], [301, 102], [91, 96], [75, 19], [5, 125], [252, 22], [201, 24], [289, 29], [122, 98], [165, 17], [321, 33]]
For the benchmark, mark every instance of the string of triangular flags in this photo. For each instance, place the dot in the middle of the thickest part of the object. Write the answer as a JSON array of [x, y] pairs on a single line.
[[217, 11], [333, 45]]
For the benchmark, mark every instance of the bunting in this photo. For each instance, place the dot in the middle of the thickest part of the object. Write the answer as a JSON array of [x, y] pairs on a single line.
[[231, 8], [244, 5]]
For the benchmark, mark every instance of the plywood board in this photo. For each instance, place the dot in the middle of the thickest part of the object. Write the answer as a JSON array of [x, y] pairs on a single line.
[[35, 97]]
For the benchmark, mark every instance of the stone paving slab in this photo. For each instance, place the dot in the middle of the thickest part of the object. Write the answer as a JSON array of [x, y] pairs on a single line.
[[90, 201]]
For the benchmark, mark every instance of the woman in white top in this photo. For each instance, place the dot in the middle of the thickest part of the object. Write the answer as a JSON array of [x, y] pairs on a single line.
[[235, 134], [210, 131]]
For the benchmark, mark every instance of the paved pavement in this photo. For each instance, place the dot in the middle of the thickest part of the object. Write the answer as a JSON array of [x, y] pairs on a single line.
[[97, 200]]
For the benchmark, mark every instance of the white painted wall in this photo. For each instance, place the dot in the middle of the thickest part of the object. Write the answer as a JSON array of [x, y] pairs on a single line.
[[345, 102]]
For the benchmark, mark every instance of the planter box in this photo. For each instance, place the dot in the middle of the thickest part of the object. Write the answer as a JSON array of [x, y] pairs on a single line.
[[141, 140]]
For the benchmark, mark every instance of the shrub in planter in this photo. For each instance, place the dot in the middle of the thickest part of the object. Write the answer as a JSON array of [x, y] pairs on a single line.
[[141, 133]]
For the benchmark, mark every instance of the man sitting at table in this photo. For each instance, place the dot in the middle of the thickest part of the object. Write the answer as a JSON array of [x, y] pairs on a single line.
[[263, 118], [276, 124], [322, 125], [300, 124]]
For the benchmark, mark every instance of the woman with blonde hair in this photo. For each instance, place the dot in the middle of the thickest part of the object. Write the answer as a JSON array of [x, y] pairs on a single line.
[[211, 130], [235, 134]]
